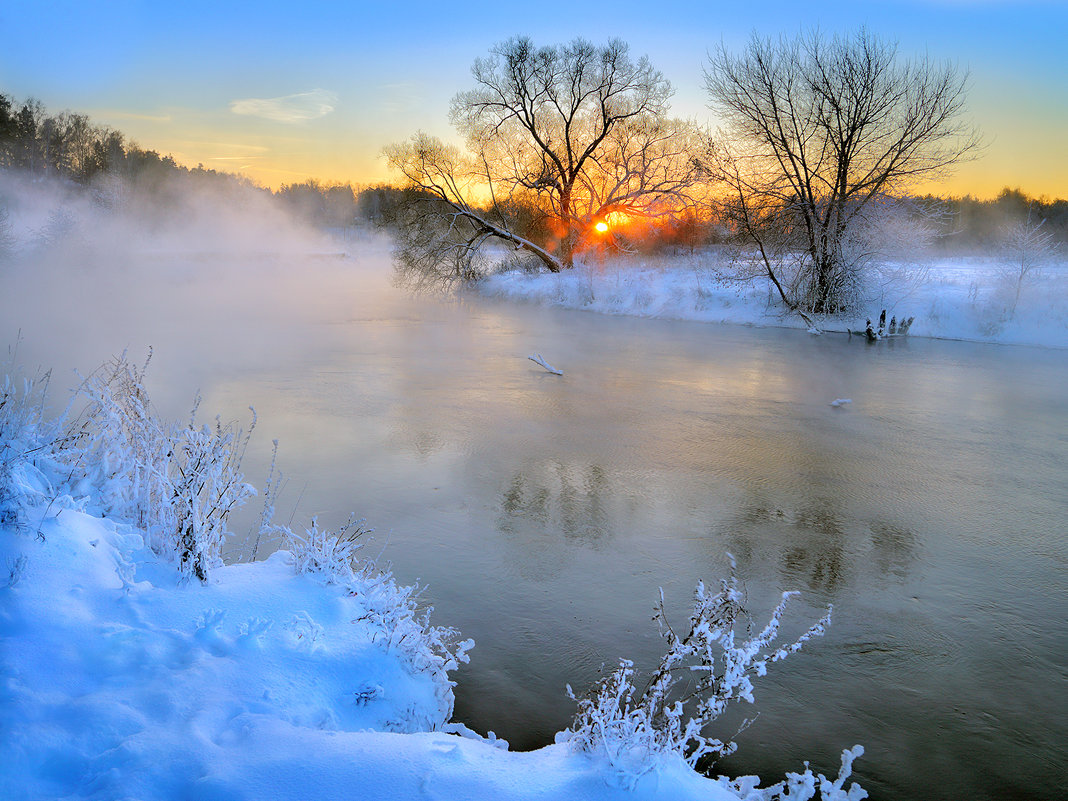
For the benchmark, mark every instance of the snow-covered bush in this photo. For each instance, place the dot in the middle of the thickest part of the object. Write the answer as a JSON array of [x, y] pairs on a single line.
[[802, 786], [178, 484], [634, 728], [887, 249], [329, 554], [27, 441], [206, 485], [123, 447], [394, 609], [401, 624], [268, 529], [1026, 248]]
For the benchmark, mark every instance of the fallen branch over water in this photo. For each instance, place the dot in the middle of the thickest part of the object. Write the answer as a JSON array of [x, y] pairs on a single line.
[[536, 358]]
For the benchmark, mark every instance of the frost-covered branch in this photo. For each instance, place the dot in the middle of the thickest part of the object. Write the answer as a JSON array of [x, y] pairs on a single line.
[[802, 786], [28, 441], [633, 728]]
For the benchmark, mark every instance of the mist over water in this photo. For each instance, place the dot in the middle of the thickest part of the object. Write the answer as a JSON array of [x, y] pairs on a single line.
[[127, 273], [545, 511]]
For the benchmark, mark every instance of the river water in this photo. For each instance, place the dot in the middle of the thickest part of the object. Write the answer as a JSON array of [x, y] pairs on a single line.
[[544, 512]]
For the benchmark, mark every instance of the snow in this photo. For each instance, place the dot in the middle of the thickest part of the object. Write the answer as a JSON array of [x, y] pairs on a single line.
[[951, 298], [121, 681]]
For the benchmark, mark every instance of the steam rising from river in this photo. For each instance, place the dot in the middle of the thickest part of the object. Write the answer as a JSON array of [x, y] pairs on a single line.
[[92, 274]]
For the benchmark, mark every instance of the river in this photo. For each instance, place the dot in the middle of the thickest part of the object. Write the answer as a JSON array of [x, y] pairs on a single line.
[[543, 512]]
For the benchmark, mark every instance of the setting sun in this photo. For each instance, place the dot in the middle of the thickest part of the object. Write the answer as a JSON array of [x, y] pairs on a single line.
[[601, 227]]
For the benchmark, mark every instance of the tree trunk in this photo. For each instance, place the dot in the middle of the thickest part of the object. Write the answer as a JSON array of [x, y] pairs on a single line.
[[824, 301], [567, 227]]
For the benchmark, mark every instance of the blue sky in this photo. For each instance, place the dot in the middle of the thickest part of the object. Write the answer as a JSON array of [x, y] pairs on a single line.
[[285, 91]]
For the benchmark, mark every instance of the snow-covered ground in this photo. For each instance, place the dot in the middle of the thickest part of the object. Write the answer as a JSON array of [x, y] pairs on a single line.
[[120, 682], [952, 298]]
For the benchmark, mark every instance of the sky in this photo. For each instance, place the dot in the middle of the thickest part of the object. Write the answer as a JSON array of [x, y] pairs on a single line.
[[284, 92]]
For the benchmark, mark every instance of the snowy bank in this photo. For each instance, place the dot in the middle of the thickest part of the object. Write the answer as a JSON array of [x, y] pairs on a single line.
[[121, 682], [308, 675], [961, 298]]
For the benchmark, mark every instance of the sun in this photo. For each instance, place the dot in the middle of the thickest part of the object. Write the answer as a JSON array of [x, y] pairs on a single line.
[[601, 227]]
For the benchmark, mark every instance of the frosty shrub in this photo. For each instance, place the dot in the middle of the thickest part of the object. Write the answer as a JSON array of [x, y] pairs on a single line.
[[328, 554], [267, 528], [885, 252], [27, 440], [206, 484], [178, 484], [400, 623], [1025, 248], [802, 786], [402, 626], [124, 448], [704, 669]]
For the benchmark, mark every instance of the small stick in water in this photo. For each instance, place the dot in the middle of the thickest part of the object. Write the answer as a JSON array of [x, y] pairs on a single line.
[[536, 358]]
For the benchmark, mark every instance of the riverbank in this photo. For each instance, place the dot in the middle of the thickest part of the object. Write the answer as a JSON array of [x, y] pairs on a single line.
[[969, 299], [308, 675], [121, 682]]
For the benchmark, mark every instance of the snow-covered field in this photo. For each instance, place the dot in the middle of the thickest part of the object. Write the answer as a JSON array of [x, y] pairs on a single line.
[[952, 298]]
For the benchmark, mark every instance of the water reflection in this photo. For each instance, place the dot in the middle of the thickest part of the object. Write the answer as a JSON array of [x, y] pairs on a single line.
[[894, 549], [817, 546], [569, 498]]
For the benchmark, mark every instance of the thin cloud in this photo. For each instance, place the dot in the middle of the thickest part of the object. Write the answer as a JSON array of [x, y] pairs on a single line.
[[289, 108], [239, 146], [129, 115]]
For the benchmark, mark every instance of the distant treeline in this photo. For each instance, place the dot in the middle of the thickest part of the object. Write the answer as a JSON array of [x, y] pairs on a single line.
[[969, 225], [69, 146]]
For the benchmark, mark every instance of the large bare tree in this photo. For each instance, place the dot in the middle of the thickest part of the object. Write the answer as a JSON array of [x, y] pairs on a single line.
[[819, 134], [568, 134]]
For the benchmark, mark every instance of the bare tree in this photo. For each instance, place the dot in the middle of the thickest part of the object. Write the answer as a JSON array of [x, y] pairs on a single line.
[[1026, 248], [440, 230], [818, 130], [7, 234], [575, 132]]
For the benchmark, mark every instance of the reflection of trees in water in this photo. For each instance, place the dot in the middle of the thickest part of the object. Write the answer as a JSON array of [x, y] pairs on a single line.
[[893, 549], [523, 501], [817, 546], [817, 553], [567, 497]]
